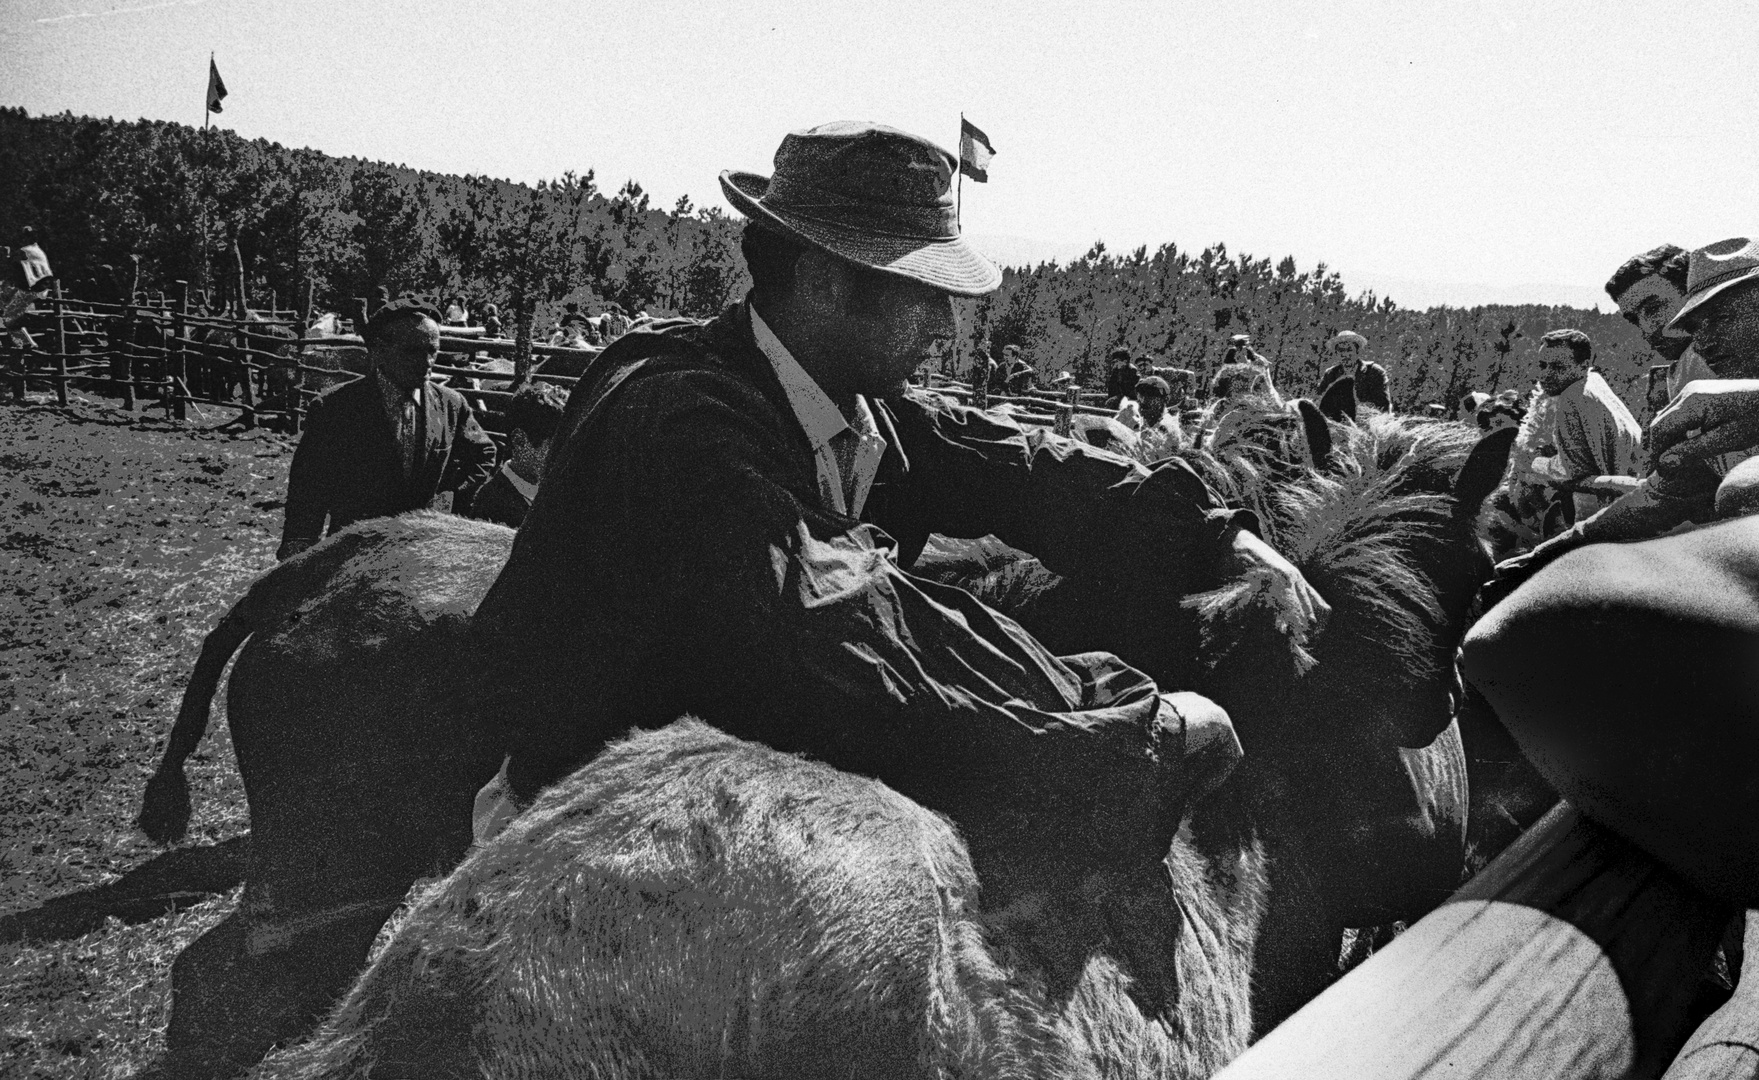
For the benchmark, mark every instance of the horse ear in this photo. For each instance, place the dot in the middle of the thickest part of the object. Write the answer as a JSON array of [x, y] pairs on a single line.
[[1318, 432], [1339, 401], [1483, 470]]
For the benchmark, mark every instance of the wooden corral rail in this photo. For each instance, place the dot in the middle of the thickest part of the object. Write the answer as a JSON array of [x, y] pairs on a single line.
[[270, 366], [1573, 955], [267, 367]]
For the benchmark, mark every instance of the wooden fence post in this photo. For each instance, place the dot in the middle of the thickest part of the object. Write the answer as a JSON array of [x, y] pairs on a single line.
[[11, 350], [180, 366], [60, 349], [1573, 955], [1065, 425], [121, 356], [522, 347]]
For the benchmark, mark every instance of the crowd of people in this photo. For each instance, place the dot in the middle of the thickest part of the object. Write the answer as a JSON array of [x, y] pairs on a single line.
[[573, 329]]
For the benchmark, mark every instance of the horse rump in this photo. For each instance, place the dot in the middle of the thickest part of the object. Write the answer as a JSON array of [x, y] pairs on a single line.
[[692, 905]]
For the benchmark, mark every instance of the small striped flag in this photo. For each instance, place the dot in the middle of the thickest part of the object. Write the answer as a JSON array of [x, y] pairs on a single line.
[[974, 152], [216, 88]]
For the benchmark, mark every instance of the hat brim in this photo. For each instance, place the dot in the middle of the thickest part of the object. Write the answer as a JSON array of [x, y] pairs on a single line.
[[1693, 303], [952, 266]]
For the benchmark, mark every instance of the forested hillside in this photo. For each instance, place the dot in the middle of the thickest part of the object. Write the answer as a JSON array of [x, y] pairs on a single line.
[[98, 191]]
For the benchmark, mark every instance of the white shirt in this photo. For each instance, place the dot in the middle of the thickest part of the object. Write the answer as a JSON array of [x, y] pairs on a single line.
[[822, 421], [520, 483]]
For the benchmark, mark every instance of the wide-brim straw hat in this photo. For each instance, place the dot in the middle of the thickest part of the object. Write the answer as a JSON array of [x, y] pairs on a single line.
[[1715, 269], [870, 195]]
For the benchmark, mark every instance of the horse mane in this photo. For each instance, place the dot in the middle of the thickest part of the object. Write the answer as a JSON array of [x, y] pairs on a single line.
[[1352, 530]]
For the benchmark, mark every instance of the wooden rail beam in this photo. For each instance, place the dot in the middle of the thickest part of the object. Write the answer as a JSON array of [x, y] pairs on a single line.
[[1573, 955]]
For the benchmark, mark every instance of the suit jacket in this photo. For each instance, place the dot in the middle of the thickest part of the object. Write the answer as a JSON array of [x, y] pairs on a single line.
[[1370, 383], [678, 558], [349, 465]]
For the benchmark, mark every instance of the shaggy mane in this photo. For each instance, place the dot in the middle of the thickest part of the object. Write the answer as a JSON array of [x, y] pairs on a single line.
[[1352, 531]]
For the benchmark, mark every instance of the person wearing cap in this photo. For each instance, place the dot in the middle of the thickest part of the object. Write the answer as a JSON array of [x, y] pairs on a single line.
[[726, 518], [1350, 348], [386, 443]]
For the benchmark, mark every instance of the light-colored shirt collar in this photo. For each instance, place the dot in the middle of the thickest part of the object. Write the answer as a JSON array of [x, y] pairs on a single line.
[[818, 415], [822, 421], [520, 484]]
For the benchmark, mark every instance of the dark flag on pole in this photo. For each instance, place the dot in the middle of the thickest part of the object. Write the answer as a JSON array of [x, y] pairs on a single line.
[[974, 152], [216, 88]]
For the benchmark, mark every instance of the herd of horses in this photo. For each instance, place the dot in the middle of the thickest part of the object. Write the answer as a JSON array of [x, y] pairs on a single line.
[[690, 904]]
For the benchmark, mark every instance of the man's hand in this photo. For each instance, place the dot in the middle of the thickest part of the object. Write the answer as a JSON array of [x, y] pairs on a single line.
[[1708, 418], [1301, 611]]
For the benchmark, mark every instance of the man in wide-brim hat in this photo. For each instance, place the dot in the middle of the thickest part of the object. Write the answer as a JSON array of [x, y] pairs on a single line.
[[1713, 418], [708, 539]]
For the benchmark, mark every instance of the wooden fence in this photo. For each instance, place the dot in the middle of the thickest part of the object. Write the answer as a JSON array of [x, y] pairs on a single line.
[[265, 368], [260, 369]]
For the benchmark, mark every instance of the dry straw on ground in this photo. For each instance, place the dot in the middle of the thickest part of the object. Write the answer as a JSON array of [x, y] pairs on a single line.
[[122, 540]]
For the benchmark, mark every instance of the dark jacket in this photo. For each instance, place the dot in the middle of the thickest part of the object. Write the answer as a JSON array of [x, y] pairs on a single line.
[[1370, 384], [349, 466], [1120, 382], [499, 501], [677, 559]]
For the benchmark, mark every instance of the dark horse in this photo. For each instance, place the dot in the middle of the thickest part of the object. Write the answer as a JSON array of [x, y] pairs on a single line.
[[688, 904], [1360, 796]]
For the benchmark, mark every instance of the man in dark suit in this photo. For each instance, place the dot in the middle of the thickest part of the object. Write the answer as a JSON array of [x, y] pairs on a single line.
[[1370, 377], [387, 443]]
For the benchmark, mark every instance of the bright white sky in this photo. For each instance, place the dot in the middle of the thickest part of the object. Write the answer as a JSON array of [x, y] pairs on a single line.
[[1440, 151]]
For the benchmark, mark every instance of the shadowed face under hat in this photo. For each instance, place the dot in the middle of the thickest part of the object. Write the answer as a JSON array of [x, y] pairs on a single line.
[[873, 196]]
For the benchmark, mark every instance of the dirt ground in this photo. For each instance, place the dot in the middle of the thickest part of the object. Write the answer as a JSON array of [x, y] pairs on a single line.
[[122, 541]]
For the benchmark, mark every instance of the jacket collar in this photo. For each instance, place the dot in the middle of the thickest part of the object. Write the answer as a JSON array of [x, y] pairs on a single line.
[[732, 339]]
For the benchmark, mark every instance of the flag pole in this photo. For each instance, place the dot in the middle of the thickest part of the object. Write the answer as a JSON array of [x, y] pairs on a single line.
[[201, 175], [959, 199]]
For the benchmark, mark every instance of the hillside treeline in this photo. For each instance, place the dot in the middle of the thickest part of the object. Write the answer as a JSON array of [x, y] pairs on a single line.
[[98, 191]]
